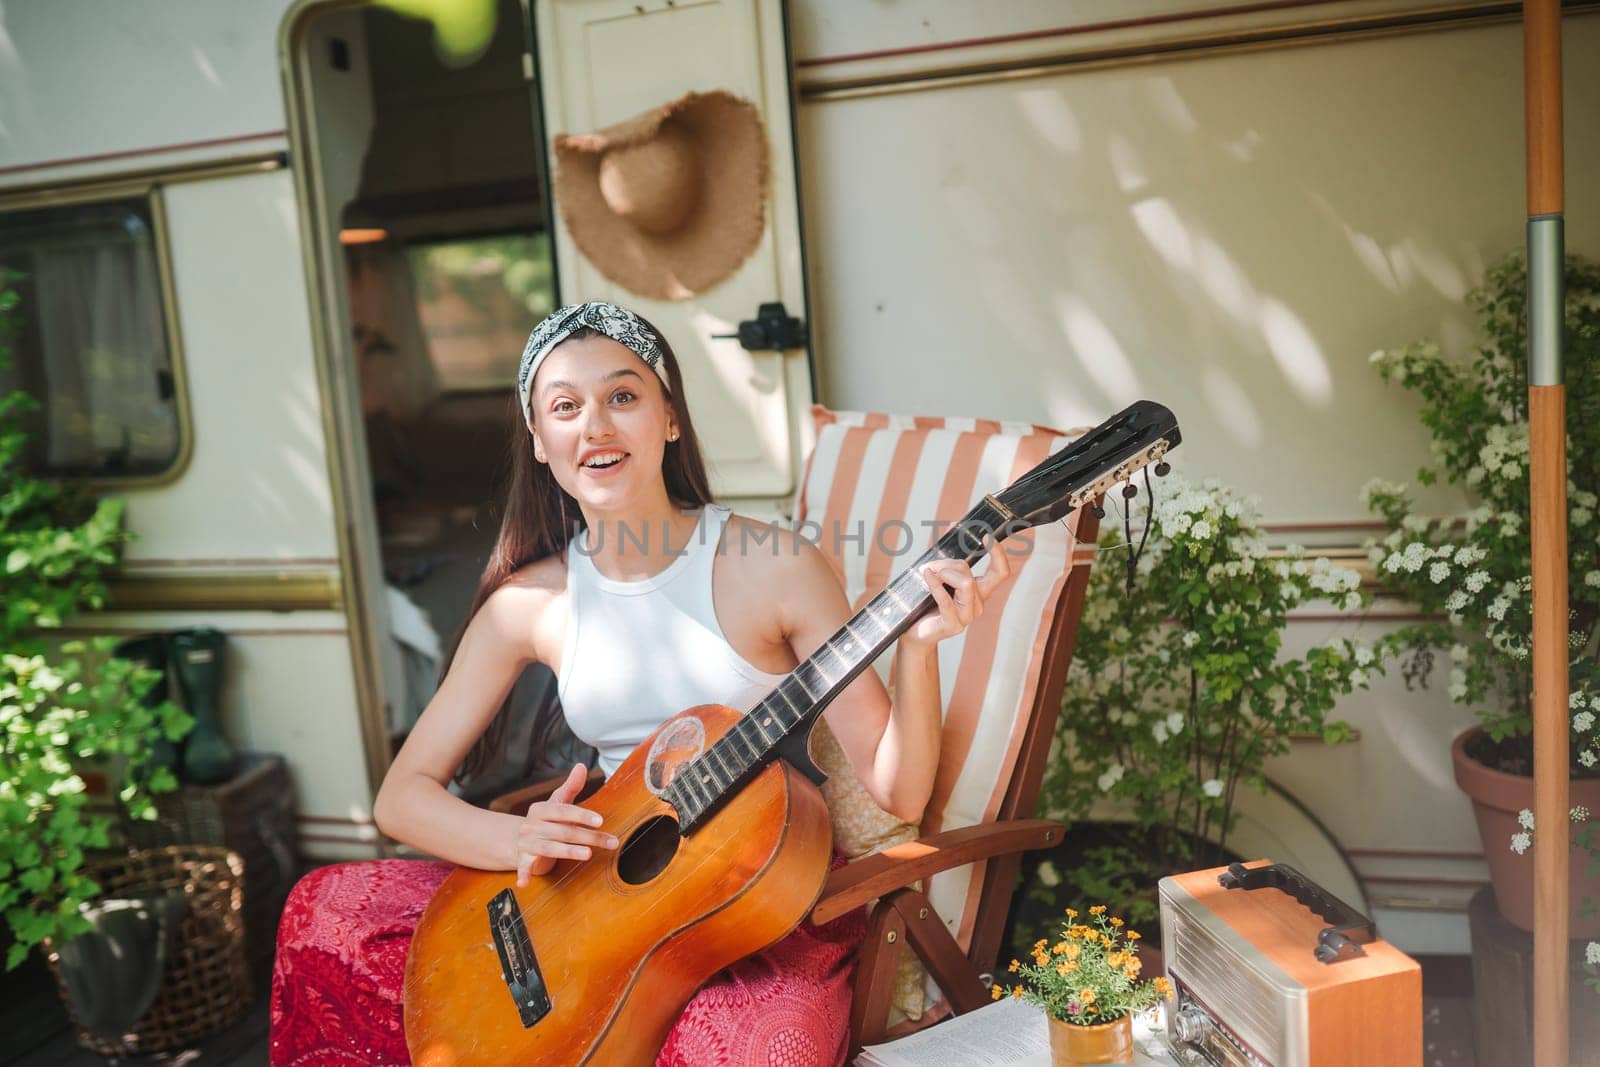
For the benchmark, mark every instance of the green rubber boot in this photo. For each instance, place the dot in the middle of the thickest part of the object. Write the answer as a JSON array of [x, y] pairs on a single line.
[[150, 652], [195, 657]]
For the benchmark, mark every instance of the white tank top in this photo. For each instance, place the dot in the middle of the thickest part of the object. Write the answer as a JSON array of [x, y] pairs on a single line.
[[636, 653]]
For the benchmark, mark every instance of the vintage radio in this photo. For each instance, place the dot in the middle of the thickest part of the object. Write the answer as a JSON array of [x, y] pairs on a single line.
[[1270, 969]]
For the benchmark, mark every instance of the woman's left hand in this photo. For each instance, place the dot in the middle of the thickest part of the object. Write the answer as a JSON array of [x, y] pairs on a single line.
[[956, 610]]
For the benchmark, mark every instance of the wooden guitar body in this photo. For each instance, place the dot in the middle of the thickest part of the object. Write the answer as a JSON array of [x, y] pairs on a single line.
[[619, 946]]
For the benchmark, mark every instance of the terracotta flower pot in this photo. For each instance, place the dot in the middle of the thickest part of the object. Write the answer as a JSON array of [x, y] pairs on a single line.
[[1497, 797], [1071, 1045]]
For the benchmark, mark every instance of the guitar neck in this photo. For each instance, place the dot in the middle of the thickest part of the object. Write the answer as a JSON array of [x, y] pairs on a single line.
[[782, 721], [779, 726]]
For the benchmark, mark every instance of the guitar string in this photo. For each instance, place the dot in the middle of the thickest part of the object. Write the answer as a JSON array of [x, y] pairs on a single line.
[[560, 901], [550, 895]]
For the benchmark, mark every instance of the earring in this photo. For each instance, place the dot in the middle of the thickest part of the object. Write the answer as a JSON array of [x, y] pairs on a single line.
[[673, 436]]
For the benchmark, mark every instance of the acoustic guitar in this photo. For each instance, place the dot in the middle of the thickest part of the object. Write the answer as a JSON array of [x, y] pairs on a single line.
[[724, 839]]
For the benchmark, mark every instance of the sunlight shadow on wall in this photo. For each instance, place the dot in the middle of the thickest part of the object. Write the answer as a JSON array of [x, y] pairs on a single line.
[[1170, 105], [1297, 353], [312, 475], [1291, 343], [1438, 269], [1098, 351], [1377, 262], [13, 84], [1243, 148], [288, 216], [265, 496], [1223, 280], [1164, 231], [1125, 165], [207, 71], [1390, 266], [1047, 112], [1232, 407], [307, 461]]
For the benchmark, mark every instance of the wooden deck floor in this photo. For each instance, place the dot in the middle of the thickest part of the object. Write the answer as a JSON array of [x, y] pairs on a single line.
[[34, 1031]]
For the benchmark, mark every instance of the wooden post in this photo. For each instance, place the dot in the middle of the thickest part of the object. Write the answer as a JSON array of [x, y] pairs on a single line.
[[1548, 526], [1551, 856]]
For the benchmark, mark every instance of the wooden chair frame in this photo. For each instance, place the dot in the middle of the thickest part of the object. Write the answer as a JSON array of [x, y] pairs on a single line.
[[903, 916]]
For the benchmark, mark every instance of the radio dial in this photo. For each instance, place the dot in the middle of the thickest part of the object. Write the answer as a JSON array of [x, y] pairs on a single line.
[[1190, 1025]]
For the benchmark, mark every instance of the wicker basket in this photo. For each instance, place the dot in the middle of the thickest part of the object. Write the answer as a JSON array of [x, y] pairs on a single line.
[[206, 985], [251, 813]]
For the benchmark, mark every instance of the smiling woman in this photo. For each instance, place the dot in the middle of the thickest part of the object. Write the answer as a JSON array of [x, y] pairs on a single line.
[[612, 568]]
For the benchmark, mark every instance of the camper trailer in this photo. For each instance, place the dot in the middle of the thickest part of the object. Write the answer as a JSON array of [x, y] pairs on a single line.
[[284, 257]]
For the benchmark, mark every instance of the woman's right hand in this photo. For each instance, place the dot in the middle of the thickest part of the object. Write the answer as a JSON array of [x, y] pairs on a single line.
[[558, 829]]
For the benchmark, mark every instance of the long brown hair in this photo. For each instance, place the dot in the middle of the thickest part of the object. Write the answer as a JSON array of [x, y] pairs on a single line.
[[540, 519]]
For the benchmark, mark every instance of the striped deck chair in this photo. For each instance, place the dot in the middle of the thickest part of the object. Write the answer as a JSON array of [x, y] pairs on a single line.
[[1001, 687]]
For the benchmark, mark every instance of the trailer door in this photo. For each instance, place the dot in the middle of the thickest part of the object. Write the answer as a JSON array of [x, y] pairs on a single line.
[[603, 61]]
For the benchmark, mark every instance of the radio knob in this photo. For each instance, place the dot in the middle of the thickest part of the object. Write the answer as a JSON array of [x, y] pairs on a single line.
[[1190, 1025]]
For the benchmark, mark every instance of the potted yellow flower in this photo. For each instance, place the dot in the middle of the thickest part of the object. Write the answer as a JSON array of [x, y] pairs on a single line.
[[1088, 984]]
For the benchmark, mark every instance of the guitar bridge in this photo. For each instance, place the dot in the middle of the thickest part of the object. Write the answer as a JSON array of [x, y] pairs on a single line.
[[518, 964]]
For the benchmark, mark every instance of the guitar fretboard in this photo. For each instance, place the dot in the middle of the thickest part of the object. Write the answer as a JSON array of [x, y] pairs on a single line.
[[784, 717]]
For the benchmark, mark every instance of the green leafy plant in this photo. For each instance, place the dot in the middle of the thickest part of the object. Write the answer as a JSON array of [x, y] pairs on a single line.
[[1090, 975], [64, 705], [1472, 570], [1179, 691]]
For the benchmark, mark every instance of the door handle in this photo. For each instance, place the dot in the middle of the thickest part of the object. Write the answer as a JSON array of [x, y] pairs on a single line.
[[773, 329]]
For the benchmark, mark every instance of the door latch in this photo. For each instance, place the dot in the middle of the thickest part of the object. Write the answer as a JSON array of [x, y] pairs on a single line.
[[773, 329]]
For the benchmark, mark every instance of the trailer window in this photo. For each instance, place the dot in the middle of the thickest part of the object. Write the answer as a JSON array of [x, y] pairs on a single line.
[[88, 339], [478, 300]]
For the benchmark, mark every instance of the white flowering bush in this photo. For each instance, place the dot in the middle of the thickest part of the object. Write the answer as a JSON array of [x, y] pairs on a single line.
[[1179, 690], [1472, 570]]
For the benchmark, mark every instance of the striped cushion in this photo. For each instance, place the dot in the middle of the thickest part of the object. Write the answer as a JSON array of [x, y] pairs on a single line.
[[870, 472]]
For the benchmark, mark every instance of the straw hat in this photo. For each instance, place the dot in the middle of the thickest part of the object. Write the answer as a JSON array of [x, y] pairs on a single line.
[[670, 202]]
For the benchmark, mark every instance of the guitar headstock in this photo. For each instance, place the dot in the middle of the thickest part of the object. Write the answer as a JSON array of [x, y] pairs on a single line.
[[1136, 437]]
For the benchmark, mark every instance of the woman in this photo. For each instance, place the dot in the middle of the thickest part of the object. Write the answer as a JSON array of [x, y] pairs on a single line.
[[648, 609]]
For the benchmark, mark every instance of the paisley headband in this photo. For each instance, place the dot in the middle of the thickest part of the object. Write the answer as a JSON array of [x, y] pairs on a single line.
[[619, 324]]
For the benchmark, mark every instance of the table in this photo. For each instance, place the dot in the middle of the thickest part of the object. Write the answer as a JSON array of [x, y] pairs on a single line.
[[1007, 1033]]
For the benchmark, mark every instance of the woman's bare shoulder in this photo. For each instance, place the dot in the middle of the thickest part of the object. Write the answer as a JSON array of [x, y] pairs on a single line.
[[771, 552], [528, 608], [542, 577]]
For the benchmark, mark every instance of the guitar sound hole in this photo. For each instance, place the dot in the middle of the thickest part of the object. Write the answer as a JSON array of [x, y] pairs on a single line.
[[647, 853]]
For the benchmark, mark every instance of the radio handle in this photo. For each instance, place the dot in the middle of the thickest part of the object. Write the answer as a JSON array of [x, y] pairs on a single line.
[[1350, 929]]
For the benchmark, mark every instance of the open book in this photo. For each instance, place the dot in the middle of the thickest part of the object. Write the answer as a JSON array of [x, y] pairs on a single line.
[[1007, 1033]]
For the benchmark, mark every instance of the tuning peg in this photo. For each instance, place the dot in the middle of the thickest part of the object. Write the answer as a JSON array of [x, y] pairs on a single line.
[[1130, 491], [1097, 511], [1163, 469]]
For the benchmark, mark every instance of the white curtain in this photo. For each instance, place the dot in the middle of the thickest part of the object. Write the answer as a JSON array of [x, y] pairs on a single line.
[[95, 339]]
